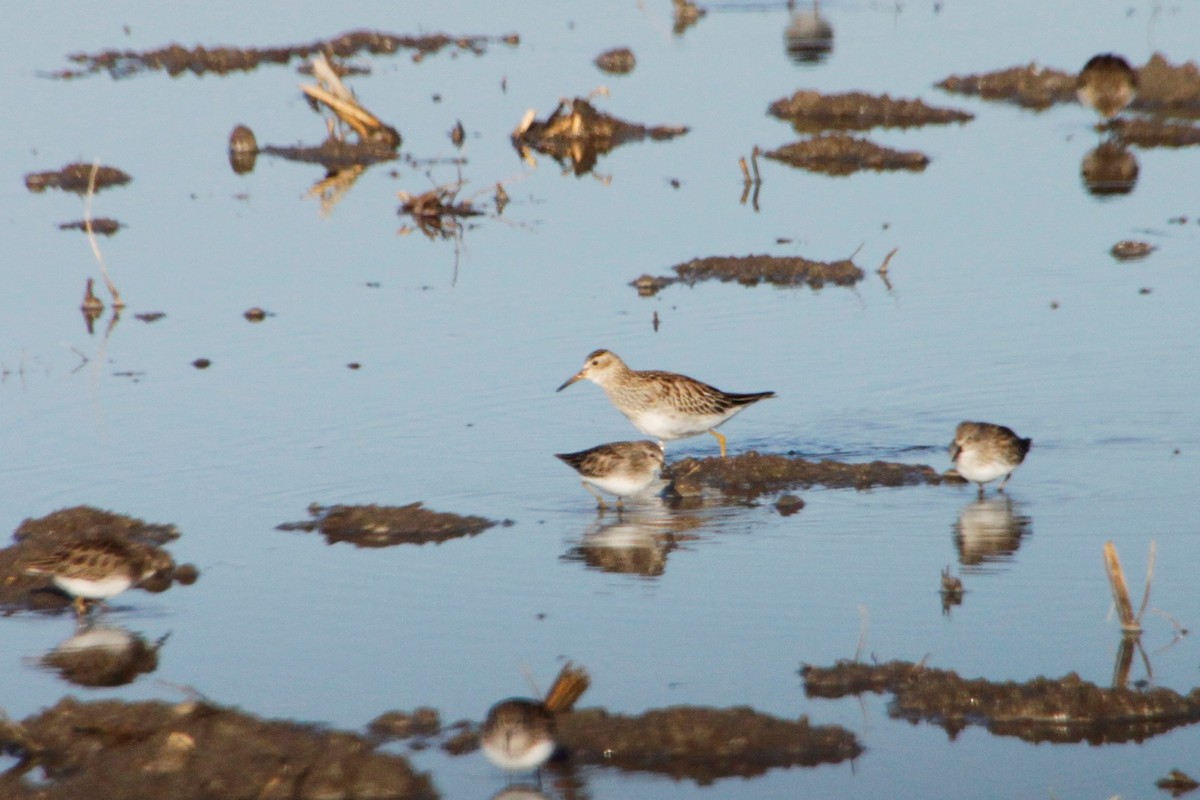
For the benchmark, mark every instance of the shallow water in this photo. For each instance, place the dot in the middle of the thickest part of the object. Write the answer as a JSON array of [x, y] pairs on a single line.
[[455, 405]]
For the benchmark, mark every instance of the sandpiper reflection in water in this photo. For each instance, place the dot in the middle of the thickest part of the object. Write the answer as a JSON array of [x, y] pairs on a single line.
[[989, 530], [103, 655], [1109, 168], [808, 38]]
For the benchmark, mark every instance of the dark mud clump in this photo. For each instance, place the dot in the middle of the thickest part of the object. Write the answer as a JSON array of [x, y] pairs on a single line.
[[105, 226], [1030, 86], [77, 178], [1177, 783], [702, 744], [1148, 133], [750, 475], [422, 722], [838, 154], [755, 269], [118, 750], [618, 61], [1168, 89], [384, 526], [1131, 250], [811, 111], [37, 538], [577, 134], [335, 154], [1065, 710], [175, 59]]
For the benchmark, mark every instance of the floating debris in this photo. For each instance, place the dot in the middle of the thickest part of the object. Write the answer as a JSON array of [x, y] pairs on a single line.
[[77, 178], [202, 363], [784, 271], [810, 111], [1131, 250], [618, 61], [685, 14], [384, 526], [438, 211], [788, 504], [838, 154], [577, 134], [111, 748], [750, 475], [105, 226], [1065, 710], [255, 314], [175, 59]]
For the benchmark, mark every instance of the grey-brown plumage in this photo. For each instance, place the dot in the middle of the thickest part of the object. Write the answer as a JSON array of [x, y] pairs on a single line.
[[620, 468], [1106, 84], [982, 452], [665, 405], [97, 568], [518, 733]]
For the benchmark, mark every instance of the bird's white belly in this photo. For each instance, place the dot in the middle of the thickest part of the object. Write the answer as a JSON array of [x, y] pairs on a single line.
[[93, 589], [532, 757], [620, 485], [667, 425], [981, 470]]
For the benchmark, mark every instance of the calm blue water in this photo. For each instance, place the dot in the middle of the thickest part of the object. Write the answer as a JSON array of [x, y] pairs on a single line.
[[455, 405]]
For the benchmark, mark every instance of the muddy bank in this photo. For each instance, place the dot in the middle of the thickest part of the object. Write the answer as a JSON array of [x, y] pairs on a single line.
[[38, 538], [697, 743], [384, 526], [809, 112], [1147, 133], [750, 475], [104, 226], [576, 134], [1065, 710], [77, 178], [175, 59], [119, 750], [753, 270], [838, 154], [1164, 88]]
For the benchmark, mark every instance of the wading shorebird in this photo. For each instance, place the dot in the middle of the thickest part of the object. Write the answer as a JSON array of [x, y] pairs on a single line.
[[982, 452], [664, 405], [1106, 84], [620, 468], [98, 568], [519, 733]]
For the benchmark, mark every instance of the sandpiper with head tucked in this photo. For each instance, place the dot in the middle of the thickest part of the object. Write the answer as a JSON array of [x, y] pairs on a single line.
[[664, 405], [1106, 84], [620, 468], [93, 569], [519, 733], [982, 452]]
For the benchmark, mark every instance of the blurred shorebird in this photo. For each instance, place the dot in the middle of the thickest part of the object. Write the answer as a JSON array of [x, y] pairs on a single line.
[[1106, 84], [620, 468], [98, 568], [664, 405], [519, 733], [982, 452]]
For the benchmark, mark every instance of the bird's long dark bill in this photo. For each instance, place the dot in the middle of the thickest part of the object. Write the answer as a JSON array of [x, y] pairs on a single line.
[[954, 451], [569, 381]]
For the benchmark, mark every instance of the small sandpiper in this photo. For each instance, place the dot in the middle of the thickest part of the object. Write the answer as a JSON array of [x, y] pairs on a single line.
[[982, 452], [1106, 84], [519, 733], [664, 405], [620, 468], [96, 569]]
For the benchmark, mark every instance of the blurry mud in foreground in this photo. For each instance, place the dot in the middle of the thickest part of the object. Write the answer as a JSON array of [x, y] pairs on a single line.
[[175, 59], [751, 475], [384, 526], [37, 538], [754, 270], [576, 134], [119, 750], [698, 743], [1066, 710]]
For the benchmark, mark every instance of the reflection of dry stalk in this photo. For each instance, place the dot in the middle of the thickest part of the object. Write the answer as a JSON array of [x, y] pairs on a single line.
[[747, 180], [883, 268], [435, 211], [118, 303], [1130, 622]]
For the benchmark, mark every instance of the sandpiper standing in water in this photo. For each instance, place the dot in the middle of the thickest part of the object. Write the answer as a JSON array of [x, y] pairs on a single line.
[[664, 405], [1106, 84], [98, 568], [519, 733], [982, 452], [620, 468]]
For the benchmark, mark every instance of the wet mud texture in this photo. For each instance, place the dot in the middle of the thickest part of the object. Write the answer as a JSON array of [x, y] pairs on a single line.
[[76, 178], [696, 743], [104, 226], [809, 112], [838, 154], [175, 59], [576, 134], [1066, 710], [1164, 89], [1153, 133], [119, 750], [751, 475], [753, 270], [334, 154], [384, 526], [36, 538]]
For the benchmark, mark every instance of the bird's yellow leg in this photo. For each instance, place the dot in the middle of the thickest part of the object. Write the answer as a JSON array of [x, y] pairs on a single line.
[[80, 607], [720, 440], [595, 494]]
